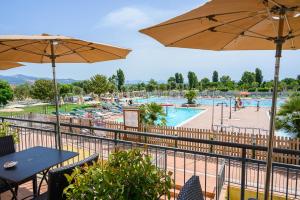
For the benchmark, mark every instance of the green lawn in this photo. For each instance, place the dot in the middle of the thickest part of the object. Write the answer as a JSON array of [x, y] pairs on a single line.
[[44, 109]]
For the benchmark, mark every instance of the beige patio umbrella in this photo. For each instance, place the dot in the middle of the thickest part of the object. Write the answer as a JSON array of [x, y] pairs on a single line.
[[4, 65], [56, 49], [237, 25]]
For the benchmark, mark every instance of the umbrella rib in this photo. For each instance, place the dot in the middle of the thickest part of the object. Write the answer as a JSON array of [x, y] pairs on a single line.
[[244, 35], [97, 49], [12, 47], [290, 30], [172, 43], [76, 53], [195, 18], [69, 52], [246, 30], [44, 51]]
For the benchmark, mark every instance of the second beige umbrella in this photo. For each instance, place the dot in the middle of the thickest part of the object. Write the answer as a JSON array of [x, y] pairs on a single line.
[[56, 49], [237, 25]]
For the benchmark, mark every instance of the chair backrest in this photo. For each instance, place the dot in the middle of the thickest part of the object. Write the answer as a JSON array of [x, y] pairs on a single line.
[[7, 145], [57, 181], [191, 190]]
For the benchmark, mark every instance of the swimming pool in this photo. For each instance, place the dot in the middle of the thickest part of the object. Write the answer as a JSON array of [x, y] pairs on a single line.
[[209, 101], [178, 116]]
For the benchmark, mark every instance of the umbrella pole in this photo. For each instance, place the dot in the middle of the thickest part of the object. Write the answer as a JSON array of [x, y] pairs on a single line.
[[58, 135], [279, 41]]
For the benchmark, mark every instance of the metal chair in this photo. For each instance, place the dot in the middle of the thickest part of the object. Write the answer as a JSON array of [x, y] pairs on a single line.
[[191, 190], [57, 181]]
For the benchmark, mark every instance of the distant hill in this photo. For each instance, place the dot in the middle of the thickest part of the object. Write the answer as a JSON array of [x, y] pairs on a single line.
[[20, 79]]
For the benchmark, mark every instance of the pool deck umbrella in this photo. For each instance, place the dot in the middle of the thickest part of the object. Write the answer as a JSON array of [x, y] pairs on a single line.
[[237, 25], [56, 49], [4, 65]]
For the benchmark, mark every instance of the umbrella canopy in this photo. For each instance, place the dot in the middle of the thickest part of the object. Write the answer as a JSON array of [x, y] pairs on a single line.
[[231, 25], [37, 49], [4, 65], [52, 49], [237, 25]]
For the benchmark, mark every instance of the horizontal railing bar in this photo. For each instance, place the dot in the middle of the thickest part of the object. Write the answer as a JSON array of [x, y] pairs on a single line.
[[277, 164], [172, 137], [32, 128], [27, 120]]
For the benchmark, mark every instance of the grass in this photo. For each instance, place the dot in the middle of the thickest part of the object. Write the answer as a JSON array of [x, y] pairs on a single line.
[[44, 109]]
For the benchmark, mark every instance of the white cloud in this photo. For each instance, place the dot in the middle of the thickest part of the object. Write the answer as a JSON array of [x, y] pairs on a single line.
[[129, 17]]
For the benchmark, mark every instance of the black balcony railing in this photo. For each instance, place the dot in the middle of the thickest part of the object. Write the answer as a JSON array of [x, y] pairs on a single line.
[[221, 176]]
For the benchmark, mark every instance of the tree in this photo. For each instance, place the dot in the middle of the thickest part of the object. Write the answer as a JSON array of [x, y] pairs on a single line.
[[215, 77], [205, 83], [258, 76], [172, 83], [77, 90], [225, 79], [99, 84], [288, 117], [22, 92], [65, 89], [85, 85], [43, 90], [162, 87], [152, 85], [247, 78], [191, 95], [6, 93], [193, 80], [120, 79], [152, 114]]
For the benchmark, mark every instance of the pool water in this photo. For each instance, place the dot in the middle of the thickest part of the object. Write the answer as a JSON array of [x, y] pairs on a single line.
[[177, 116], [210, 101]]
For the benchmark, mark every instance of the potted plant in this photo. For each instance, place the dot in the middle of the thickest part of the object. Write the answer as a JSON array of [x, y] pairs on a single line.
[[127, 175], [191, 95], [5, 130]]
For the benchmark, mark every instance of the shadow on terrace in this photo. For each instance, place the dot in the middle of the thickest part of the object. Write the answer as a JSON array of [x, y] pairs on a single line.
[[239, 176]]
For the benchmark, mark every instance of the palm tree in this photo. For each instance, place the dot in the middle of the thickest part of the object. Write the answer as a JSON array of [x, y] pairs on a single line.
[[152, 114], [191, 95], [288, 117]]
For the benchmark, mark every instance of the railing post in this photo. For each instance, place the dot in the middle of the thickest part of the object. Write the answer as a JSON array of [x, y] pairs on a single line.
[[243, 175], [115, 138], [55, 136], [254, 144], [211, 146]]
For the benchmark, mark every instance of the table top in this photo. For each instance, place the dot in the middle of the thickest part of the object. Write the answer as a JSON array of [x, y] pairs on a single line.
[[32, 161]]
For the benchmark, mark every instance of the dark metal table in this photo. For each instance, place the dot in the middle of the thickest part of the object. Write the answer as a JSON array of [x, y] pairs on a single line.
[[31, 162]]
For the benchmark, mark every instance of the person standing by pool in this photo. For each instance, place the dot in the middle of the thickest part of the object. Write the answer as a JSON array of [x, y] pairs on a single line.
[[257, 106]]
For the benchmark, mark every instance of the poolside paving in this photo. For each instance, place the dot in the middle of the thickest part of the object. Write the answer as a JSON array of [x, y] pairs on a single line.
[[245, 117]]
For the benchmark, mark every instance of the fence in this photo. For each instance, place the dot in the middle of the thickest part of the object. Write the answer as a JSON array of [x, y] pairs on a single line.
[[193, 133], [238, 129], [178, 93], [219, 174]]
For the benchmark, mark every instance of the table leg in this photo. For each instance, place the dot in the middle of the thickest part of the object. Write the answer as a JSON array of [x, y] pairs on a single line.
[[34, 187], [43, 178], [11, 190]]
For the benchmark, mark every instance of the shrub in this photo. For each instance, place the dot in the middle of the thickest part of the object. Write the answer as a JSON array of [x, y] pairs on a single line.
[[263, 89], [251, 89], [223, 89], [6, 131], [127, 175]]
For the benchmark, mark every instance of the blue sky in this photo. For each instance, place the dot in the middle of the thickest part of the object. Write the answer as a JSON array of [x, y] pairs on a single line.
[[117, 22]]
